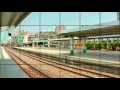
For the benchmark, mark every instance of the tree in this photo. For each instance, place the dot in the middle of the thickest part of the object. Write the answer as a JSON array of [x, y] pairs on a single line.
[[89, 45], [99, 45], [114, 45]]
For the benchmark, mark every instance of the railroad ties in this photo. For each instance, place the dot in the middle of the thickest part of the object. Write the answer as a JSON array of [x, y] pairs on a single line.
[[39, 65]]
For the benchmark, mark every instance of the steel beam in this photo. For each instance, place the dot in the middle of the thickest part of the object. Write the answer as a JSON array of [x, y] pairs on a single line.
[[22, 16], [12, 18]]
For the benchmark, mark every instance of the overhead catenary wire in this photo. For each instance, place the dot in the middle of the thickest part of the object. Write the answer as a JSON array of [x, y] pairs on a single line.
[[77, 18], [86, 15], [35, 16]]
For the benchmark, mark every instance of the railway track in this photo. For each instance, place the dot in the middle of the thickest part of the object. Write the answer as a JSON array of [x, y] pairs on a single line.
[[70, 68], [28, 69], [91, 73], [46, 64]]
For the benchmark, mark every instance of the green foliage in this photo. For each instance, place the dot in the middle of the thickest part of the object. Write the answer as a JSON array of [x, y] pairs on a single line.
[[118, 44], [105, 45], [89, 45], [99, 45], [114, 45]]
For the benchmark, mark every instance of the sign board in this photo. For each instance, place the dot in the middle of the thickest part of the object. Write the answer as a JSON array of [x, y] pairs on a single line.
[[19, 38]]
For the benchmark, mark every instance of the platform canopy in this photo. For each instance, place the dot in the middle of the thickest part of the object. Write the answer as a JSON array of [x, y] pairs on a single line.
[[94, 30], [8, 19], [42, 41]]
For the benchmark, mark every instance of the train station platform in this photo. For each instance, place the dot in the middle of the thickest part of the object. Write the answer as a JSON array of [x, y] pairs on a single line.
[[97, 55], [8, 67]]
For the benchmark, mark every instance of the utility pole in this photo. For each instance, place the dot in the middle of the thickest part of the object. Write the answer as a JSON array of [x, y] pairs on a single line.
[[118, 15], [0, 37]]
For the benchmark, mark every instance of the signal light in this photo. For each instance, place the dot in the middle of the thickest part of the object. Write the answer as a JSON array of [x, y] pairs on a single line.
[[9, 34]]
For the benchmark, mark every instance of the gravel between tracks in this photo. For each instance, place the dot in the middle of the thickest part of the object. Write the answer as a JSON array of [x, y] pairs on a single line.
[[52, 71], [47, 69]]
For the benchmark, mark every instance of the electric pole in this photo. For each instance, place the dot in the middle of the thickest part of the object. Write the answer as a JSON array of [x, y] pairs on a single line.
[[118, 15]]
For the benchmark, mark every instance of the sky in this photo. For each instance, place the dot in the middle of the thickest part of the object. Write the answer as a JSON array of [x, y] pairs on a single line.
[[47, 21]]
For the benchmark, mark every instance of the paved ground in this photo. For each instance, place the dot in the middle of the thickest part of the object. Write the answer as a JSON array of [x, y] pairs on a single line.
[[112, 56], [8, 68]]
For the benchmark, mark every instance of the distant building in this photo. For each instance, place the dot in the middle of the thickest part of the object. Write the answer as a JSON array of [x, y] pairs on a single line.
[[25, 39], [24, 34], [30, 37], [60, 28], [20, 32]]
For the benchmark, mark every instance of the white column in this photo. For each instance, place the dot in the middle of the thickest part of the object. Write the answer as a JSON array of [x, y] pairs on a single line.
[[33, 45], [94, 43], [43, 44], [10, 40], [37, 44], [107, 44], [48, 44], [58, 46], [117, 39]]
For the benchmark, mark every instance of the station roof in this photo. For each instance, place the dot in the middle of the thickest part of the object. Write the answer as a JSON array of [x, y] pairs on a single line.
[[106, 36], [94, 30], [41, 41], [62, 39], [12, 18]]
